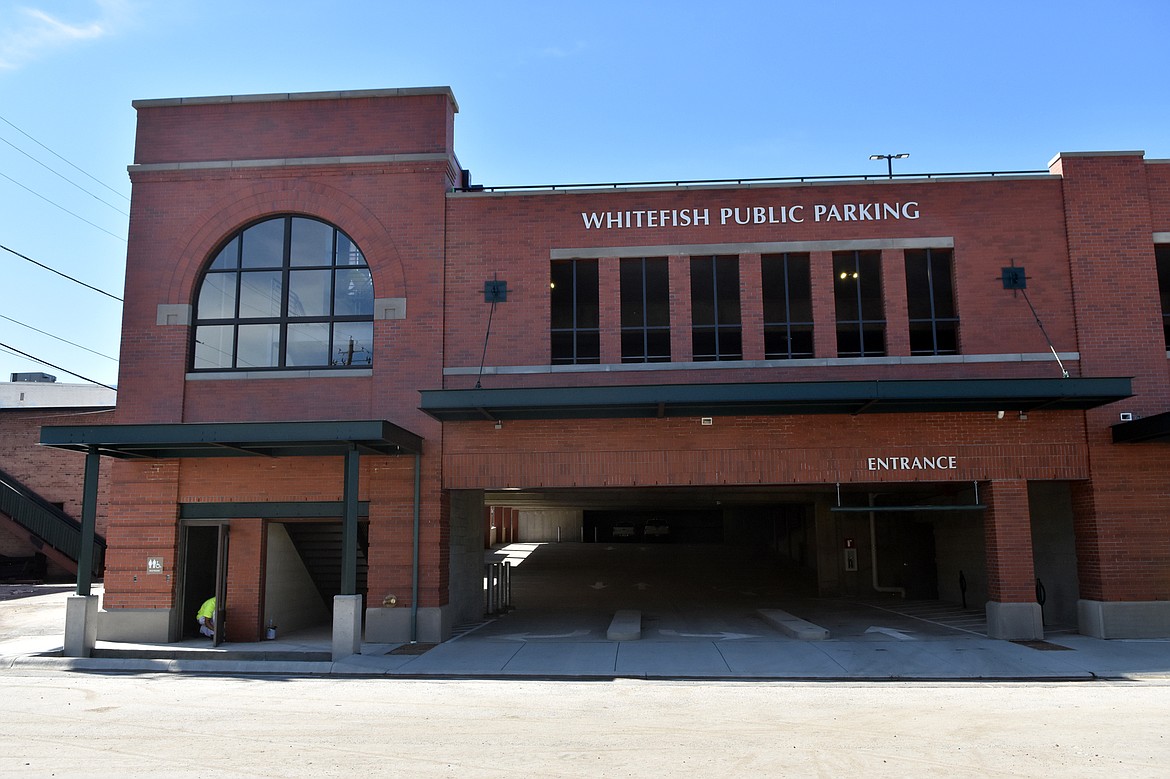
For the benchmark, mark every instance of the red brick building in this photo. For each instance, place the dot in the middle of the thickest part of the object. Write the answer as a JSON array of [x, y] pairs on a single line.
[[947, 386]]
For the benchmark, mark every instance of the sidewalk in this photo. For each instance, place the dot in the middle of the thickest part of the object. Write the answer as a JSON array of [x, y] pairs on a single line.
[[584, 657], [562, 638]]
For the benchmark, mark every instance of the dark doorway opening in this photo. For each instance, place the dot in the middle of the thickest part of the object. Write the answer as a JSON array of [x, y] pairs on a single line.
[[201, 555]]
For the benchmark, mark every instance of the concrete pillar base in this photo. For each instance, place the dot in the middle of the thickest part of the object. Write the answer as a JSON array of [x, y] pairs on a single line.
[[80, 625], [392, 626], [347, 626], [1015, 621], [1124, 619]]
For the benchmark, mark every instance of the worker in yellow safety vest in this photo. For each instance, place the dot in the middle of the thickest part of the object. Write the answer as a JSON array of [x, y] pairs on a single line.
[[206, 618]]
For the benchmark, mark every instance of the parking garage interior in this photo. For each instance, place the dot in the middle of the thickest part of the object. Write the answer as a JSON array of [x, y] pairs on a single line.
[[727, 553]]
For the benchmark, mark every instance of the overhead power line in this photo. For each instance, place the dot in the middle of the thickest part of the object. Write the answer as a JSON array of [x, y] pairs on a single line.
[[59, 273], [39, 361], [58, 156], [63, 208], [64, 178], [58, 338]]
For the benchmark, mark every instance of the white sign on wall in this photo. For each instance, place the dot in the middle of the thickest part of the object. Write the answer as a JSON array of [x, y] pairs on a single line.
[[940, 462], [771, 214]]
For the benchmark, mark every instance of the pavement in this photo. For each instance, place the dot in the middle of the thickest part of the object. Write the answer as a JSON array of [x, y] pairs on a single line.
[[721, 635]]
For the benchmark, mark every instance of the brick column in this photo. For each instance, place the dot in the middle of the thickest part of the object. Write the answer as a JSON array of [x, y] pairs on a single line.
[[751, 306], [609, 314], [1123, 544], [824, 307], [1012, 610], [681, 346], [247, 553], [894, 295]]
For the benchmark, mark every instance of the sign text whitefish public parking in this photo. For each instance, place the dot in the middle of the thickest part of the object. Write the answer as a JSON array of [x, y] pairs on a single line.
[[649, 218]]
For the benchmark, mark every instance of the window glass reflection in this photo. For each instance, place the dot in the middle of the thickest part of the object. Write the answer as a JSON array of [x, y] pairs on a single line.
[[260, 294], [228, 257], [264, 245], [353, 343], [308, 293], [217, 296], [287, 292], [214, 346], [308, 344], [311, 243], [354, 293], [258, 347]]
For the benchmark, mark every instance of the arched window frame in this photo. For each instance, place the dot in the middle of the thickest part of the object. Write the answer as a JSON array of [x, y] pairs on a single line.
[[286, 292]]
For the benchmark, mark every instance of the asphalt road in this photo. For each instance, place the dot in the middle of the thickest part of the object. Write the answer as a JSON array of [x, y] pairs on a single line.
[[93, 725]]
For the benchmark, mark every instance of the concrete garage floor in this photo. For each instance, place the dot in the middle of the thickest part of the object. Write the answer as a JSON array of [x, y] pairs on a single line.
[[699, 621], [689, 590]]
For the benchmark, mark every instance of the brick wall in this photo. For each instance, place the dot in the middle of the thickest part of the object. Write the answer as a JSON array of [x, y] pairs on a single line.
[[1078, 233], [57, 476], [171, 131], [991, 222], [1123, 514], [773, 450]]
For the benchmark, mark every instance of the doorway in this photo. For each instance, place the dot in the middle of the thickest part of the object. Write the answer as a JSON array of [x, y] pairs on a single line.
[[204, 575]]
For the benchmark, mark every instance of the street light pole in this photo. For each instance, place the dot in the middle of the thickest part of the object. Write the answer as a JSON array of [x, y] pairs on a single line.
[[889, 158]]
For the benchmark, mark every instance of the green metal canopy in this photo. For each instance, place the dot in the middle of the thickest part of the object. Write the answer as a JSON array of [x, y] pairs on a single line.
[[347, 439], [1155, 429], [776, 398], [228, 439]]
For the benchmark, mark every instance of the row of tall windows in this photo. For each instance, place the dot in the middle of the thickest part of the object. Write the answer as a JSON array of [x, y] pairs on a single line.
[[786, 290]]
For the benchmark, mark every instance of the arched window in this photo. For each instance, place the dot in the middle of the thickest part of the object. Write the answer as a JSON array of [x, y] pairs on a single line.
[[289, 292]]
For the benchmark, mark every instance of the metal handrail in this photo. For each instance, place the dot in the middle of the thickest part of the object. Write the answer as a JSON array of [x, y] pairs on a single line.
[[44, 520]]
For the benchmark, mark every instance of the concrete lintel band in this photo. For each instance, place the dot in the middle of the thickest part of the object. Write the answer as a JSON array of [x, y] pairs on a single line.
[[770, 247], [292, 162], [817, 362], [281, 97]]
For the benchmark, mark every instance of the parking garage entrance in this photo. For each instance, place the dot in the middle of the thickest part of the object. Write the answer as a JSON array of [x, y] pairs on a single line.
[[724, 554]]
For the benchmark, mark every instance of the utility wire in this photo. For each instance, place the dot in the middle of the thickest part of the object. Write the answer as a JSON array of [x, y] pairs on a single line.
[[64, 178], [59, 273], [58, 156], [57, 367], [58, 338], [63, 208]]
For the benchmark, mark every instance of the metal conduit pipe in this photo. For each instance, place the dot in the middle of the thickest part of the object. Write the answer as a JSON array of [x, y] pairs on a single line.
[[873, 556], [414, 555]]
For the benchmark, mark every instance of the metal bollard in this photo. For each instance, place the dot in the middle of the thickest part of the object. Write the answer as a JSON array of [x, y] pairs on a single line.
[[489, 590], [497, 587]]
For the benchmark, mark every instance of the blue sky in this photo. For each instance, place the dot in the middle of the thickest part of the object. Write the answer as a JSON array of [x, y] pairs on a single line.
[[552, 92]]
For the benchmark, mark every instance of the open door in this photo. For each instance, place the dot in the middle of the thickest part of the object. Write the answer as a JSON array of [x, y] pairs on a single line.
[[221, 559], [205, 574]]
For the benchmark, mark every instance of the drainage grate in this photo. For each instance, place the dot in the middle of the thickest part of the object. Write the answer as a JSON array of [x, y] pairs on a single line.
[[411, 649], [1044, 645]]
